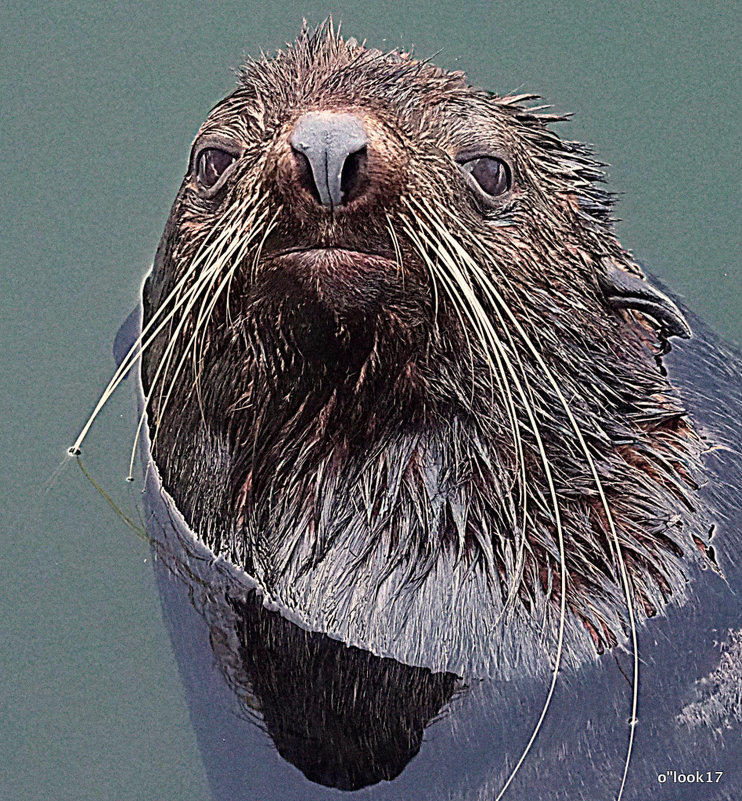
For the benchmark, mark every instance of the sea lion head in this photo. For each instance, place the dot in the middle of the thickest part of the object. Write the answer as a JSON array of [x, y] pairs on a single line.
[[403, 372]]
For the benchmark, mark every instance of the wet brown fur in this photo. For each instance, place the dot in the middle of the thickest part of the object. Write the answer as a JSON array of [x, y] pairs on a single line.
[[334, 392]]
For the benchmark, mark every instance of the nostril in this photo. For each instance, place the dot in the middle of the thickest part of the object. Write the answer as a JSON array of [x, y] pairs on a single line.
[[304, 175], [334, 145], [353, 176]]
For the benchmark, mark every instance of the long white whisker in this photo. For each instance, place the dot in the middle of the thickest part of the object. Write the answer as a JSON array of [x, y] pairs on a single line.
[[479, 318], [398, 254], [520, 459], [207, 313], [496, 346], [201, 290], [202, 286], [241, 242], [491, 343], [206, 282], [139, 345], [476, 243], [493, 293]]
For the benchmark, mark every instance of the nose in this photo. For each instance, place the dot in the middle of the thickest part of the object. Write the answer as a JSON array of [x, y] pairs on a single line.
[[334, 147]]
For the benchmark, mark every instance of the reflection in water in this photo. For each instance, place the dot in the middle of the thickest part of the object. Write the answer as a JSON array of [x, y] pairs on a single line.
[[344, 717]]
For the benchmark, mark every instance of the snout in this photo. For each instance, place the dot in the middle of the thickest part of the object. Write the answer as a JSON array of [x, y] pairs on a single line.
[[331, 154]]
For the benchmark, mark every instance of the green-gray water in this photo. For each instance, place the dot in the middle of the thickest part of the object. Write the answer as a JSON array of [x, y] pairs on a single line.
[[99, 105]]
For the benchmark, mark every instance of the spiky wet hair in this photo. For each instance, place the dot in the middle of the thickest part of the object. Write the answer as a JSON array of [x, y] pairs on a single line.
[[446, 453]]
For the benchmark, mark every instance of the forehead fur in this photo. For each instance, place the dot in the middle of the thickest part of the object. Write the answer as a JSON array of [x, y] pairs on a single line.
[[321, 64], [321, 68]]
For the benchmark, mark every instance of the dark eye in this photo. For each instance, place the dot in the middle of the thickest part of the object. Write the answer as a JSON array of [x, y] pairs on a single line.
[[492, 175], [211, 164]]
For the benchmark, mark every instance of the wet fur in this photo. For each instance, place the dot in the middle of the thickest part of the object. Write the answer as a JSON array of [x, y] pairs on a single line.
[[339, 430]]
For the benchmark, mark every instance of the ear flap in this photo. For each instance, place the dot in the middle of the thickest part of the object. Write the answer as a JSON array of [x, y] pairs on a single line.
[[626, 291]]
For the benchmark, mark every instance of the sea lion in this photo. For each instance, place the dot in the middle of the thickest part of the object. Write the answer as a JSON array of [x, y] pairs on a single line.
[[410, 380], [398, 369]]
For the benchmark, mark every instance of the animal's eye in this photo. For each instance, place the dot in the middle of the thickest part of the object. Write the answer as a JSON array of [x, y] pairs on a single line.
[[492, 175], [211, 164]]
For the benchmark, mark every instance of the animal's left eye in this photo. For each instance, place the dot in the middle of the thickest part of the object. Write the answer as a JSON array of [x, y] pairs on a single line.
[[491, 175], [211, 164]]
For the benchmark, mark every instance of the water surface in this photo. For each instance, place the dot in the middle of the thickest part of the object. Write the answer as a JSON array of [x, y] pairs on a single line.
[[100, 104]]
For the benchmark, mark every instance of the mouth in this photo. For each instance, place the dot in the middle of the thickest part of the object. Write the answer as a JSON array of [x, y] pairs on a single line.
[[335, 262], [344, 279], [340, 254]]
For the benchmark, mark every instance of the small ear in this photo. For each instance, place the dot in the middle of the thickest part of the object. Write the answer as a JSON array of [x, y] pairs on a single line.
[[626, 291]]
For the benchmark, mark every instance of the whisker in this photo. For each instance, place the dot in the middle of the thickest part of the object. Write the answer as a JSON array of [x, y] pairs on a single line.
[[494, 342], [484, 253], [560, 537], [165, 361], [397, 249], [210, 276], [520, 459], [504, 388], [203, 325], [486, 333], [433, 277], [201, 290], [493, 293], [139, 345], [243, 239]]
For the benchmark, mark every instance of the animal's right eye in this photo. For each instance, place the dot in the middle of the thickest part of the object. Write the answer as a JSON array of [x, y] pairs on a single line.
[[211, 164], [492, 175]]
